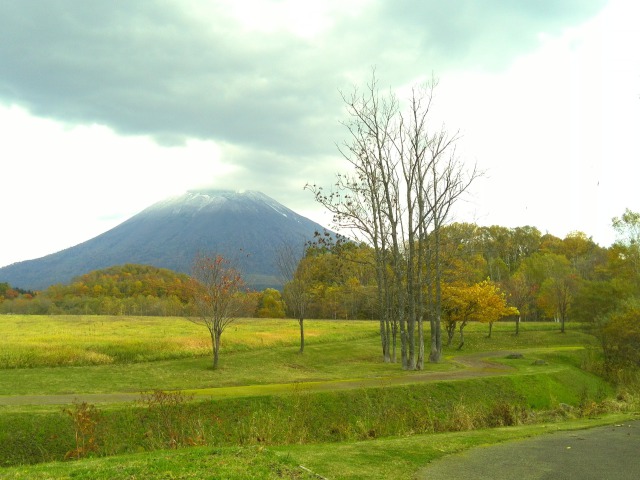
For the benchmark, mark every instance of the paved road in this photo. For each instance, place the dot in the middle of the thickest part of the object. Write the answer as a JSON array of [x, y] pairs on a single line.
[[603, 453]]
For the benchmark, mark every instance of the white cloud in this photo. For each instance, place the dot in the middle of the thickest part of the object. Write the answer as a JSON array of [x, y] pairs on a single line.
[[556, 132], [66, 184]]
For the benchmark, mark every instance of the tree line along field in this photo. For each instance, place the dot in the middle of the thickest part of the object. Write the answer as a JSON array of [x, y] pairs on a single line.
[[527, 265], [339, 391]]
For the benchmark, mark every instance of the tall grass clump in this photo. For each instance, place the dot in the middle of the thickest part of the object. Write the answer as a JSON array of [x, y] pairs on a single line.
[[167, 421]]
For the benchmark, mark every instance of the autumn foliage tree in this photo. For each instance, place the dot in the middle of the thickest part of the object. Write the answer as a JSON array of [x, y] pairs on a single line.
[[217, 299], [295, 273], [482, 302], [521, 293], [558, 287], [6, 292]]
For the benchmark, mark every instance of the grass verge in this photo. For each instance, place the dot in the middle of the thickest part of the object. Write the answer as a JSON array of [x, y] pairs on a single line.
[[166, 421], [391, 458]]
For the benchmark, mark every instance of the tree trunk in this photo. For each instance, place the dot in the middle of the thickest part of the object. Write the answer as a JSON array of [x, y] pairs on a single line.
[[403, 343], [436, 340], [385, 331], [216, 349], [490, 329], [436, 332], [433, 350], [301, 322], [420, 363], [411, 341], [383, 339], [518, 324], [394, 339], [451, 330], [462, 325]]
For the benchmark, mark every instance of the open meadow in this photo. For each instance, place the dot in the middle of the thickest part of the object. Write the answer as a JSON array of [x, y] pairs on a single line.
[[136, 397]]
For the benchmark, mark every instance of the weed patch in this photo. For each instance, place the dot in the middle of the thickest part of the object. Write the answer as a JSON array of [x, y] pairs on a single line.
[[167, 420], [85, 419]]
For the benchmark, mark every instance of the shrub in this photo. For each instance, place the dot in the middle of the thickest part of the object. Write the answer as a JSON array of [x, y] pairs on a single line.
[[620, 336]]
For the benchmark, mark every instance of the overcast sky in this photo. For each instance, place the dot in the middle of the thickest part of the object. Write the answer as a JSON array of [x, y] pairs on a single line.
[[109, 106]]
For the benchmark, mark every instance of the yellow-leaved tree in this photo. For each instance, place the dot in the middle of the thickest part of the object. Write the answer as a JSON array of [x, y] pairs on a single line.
[[481, 302]]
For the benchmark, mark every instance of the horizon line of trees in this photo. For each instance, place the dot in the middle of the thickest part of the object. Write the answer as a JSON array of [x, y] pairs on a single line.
[[543, 276]]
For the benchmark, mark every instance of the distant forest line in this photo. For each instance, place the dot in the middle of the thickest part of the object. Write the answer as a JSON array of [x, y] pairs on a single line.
[[526, 265]]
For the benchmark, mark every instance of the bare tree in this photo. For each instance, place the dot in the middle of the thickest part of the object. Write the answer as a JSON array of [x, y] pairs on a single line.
[[405, 177], [295, 276], [216, 290], [364, 200]]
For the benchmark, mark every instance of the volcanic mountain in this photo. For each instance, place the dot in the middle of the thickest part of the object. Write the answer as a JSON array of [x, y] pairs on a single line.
[[247, 227]]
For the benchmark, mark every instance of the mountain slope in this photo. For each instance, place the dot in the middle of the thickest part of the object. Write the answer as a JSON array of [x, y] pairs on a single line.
[[247, 227]]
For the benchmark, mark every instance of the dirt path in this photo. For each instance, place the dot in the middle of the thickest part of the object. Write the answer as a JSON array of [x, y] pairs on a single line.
[[473, 366]]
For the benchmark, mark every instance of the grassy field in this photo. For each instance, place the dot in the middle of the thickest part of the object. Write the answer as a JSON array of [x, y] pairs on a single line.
[[66, 340], [254, 352], [271, 406], [146, 353]]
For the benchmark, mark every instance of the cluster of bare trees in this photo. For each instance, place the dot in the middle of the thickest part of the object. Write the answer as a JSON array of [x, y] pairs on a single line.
[[404, 179]]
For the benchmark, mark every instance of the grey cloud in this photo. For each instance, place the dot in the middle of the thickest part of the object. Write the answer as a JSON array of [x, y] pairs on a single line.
[[283, 176], [486, 35], [146, 71], [151, 68]]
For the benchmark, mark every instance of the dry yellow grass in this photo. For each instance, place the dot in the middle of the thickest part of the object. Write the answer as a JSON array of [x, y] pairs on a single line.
[[38, 340]]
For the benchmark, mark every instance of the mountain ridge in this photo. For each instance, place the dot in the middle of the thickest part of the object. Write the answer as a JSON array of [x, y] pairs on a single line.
[[248, 227]]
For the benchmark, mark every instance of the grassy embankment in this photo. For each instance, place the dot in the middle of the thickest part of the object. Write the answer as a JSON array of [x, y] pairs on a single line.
[[110, 354]]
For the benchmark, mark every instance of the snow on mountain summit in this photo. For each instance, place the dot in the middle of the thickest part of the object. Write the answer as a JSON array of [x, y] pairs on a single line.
[[212, 200]]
